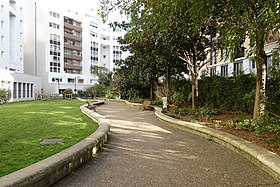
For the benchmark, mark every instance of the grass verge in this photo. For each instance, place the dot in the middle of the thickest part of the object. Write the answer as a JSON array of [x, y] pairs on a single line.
[[24, 125]]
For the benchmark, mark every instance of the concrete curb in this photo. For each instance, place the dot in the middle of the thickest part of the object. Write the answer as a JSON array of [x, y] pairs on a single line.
[[266, 160], [49, 171]]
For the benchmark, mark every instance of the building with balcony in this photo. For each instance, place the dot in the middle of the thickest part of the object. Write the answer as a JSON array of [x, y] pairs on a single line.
[[62, 45], [12, 75], [241, 63]]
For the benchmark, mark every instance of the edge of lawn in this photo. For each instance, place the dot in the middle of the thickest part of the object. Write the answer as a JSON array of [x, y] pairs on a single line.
[[50, 170]]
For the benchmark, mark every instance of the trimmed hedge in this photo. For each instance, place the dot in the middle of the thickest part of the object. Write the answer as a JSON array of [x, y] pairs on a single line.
[[235, 93]]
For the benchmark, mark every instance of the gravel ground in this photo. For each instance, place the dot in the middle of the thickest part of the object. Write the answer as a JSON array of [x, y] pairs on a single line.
[[143, 151]]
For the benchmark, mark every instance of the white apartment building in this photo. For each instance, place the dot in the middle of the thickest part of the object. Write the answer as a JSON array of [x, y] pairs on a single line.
[[12, 77], [241, 63], [62, 45]]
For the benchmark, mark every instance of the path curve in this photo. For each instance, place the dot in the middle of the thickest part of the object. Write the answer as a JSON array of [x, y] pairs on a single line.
[[144, 151]]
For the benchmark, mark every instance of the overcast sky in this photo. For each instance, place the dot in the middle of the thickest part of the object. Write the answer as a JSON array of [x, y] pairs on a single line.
[[81, 5]]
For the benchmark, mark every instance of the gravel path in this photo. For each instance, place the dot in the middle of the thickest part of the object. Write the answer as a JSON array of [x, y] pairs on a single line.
[[143, 151]]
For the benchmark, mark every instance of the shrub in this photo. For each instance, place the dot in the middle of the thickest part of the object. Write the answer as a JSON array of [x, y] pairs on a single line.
[[67, 91], [5, 96]]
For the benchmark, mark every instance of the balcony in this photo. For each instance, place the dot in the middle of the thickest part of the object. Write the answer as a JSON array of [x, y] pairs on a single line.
[[73, 57], [72, 27], [72, 67], [73, 47], [72, 37]]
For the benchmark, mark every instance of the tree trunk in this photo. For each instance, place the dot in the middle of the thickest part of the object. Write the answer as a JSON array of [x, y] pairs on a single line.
[[260, 99], [194, 76], [151, 90], [167, 81]]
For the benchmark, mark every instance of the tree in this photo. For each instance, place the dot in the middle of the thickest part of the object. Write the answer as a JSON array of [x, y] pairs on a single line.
[[103, 73], [238, 20], [171, 32]]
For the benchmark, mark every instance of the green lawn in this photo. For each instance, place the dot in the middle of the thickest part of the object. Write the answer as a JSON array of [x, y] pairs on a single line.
[[24, 125]]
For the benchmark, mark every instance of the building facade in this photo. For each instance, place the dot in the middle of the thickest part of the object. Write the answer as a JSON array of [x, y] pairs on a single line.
[[12, 76], [62, 45], [241, 63]]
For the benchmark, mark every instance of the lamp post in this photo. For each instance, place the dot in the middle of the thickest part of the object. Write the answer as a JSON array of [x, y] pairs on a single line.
[[57, 86], [75, 85]]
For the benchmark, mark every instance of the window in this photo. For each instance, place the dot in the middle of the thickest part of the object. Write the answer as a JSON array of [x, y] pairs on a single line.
[[15, 90], [70, 80], [23, 90], [2, 39], [54, 53], [104, 56], [94, 53], [56, 80], [21, 23], [53, 14], [2, 8], [54, 25], [224, 70], [2, 54], [253, 64], [237, 68], [212, 71], [28, 90], [31, 90], [19, 90], [214, 57], [117, 54]]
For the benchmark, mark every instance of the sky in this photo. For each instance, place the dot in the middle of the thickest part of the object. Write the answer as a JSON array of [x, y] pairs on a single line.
[[82, 5]]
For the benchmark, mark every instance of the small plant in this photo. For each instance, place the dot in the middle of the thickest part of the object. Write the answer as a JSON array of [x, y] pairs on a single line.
[[5, 96], [157, 102], [208, 112]]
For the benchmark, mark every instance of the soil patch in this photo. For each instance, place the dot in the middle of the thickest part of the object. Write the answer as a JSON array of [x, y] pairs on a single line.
[[52, 141], [265, 140]]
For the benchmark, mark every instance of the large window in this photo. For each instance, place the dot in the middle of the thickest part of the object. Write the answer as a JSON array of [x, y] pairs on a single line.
[[117, 54], [94, 53], [54, 53]]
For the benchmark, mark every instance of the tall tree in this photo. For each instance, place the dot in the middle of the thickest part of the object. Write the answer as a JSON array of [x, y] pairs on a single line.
[[241, 19], [170, 26]]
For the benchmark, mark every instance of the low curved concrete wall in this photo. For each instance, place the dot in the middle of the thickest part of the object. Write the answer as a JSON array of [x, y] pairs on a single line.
[[266, 160], [49, 171]]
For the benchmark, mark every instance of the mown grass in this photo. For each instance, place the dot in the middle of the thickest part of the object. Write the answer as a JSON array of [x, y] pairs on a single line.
[[24, 125]]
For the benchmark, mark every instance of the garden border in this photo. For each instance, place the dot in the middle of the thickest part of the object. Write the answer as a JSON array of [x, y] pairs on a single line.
[[52, 169], [261, 157]]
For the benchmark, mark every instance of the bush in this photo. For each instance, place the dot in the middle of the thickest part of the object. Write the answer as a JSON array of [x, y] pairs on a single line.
[[5, 96], [67, 91]]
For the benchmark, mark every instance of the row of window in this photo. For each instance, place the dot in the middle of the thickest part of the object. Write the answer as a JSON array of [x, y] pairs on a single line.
[[54, 25], [69, 80], [53, 14], [55, 53], [23, 90]]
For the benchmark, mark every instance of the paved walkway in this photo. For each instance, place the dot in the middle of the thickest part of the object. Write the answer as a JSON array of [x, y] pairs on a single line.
[[143, 151]]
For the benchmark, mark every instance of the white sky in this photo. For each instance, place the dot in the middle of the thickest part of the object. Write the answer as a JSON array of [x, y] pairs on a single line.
[[81, 5]]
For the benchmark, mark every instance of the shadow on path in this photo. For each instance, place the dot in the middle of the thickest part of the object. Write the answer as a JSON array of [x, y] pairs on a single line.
[[143, 151]]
